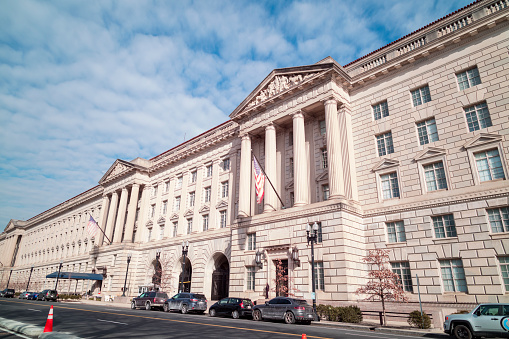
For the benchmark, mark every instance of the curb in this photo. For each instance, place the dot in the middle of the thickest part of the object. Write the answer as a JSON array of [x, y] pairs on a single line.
[[32, 330], [415, 333]]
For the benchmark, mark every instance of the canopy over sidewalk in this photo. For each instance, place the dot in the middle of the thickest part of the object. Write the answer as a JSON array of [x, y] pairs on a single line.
[[75, 275]]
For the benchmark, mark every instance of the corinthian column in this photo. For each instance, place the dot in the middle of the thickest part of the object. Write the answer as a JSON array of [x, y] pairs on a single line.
[[102, 219], [334, 156], [245, 176], [300, 164], [131, 213], [270, 169], [119, 225], [110, 224]]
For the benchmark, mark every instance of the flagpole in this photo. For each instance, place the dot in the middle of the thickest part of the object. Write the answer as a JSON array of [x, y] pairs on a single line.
[[102, 231], [266, 176]]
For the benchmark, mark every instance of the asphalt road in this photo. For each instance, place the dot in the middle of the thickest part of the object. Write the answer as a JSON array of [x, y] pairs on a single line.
[[102, 321]]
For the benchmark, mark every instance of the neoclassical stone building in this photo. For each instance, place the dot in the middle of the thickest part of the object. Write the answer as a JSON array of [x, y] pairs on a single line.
[[405, 148]]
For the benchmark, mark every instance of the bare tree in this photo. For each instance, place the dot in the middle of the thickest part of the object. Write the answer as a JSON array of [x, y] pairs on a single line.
[[383, 285]]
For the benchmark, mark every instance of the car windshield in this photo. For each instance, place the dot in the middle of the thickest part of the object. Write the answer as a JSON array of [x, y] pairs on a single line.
[[301, 302], [199, 296], [247, 302]]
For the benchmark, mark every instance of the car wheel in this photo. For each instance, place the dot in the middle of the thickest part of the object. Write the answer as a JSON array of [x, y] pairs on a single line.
[[184, 309], [147, 306], [257, 315], [462, 332], [235, 314], [212, 312], [133, 305], [166, 308], [289, 318]]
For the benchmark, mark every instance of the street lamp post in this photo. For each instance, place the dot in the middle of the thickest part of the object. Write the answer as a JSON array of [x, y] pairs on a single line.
[[58, 276], [29, 277], [185, 248], [9, 280], [126, 271], [312, 235]]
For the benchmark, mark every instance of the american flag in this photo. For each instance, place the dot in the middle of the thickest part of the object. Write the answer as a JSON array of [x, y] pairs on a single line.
[[92, 227], [259, 181]]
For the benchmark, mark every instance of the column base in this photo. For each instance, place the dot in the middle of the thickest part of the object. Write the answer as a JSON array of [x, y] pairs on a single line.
[[300, 204], [337, 197], [242, 215]]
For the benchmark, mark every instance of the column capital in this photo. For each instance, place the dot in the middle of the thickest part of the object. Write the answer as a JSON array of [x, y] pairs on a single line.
[[297, 114], [330, 101], [245, 136], [270, 126]]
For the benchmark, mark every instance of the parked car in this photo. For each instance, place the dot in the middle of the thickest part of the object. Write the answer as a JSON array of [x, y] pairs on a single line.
[[289, 309], [486, 320], [24, 295], [47, 295], [234, 307], [148, 300], [186, 302], [33, 296], [7, 293]]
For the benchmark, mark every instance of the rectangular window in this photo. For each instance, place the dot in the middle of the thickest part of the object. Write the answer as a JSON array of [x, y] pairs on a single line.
[[324, 158], [421, 96], [290, 139], [319, 234], [153, 210], [224, 189], [194, 176], [504, 268], [499, 219], [468, 78], [149, 235], [222, 219], [154, 191], [435, 176], [189, 226], [167, 186], [251, 274], [319, 276], [165, 207], [323, 128], [402, 269], [251, 241], [175, 228], [390, 188], [325, 192], [478, 116], [396, 231], [179, 182], [453, 275], [291, 167], [205, 222], [292, 198], [226, 164], [192, 196], [161, 232], [209, 171], [427, 131], [489, 165], [207, 194], [444, 226], [176, 206], [384, 144], [380, 110]]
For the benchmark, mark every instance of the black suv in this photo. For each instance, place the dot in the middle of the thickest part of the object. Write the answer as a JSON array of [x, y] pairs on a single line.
[[7, 293], [149, 300], [234, 307], [48, 295]]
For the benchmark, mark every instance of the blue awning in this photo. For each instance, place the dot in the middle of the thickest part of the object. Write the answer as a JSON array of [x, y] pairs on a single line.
[[75, 275]]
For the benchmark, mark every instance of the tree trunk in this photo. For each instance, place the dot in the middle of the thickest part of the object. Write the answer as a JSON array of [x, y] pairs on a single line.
[[383, 311]]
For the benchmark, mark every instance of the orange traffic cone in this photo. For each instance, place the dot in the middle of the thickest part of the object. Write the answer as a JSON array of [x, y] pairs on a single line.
[[49, 322], [304, 336]]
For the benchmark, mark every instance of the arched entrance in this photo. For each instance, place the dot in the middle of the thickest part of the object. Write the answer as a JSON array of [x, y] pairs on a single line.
[[185, 277], [220, 278]]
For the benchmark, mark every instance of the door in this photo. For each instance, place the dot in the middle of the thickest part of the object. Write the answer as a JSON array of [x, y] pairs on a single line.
[[172, 304], [140, 299], [488, 318], [222, 306], [280, 308], [270, 309]]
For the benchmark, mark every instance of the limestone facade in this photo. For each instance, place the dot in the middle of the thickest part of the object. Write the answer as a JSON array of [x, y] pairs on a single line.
[[406, 148]]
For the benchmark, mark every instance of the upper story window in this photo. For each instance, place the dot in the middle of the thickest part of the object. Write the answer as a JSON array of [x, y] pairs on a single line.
[[152, 210], [251, 241], [291, 167], [154, 190], [324, 158], [226, 164], [478, 116], [499, 219], [205, 222], [179, 182], [421, 96], [323, 128], [396, 231], [167, 186], [390, 188], [175, 228], [453, 275], [189, 226], [469, 78], [427, 131], [176, 206], [207, 194], [489, 165], [325, 192], [165, 207], [435, 176], [504, 268], [224, 189], [194, 176], [192, 195], [380, 110], [444, 226], [208, 170], [384, 144], [222, 219]]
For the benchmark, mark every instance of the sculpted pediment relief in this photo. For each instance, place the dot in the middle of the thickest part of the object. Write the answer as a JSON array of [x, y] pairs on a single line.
[[149, 224], [189, 213], [174, 216], [482, 139], [204, 209], [323, 176], [119, 168], [385, 163], [161, 221], [430, 152], [222, 204], [289, 186]]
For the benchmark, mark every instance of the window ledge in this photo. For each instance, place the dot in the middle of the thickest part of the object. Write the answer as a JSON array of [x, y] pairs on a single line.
[[501, 235], [455, 293], [494, 180], [446, 240], [396, 244], [435, 191]]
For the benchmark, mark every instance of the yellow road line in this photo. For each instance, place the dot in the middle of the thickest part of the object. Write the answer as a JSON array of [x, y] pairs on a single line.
[[177, 321]]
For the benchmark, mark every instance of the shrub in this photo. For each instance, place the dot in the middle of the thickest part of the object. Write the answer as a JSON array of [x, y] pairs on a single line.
[[347, 314], [416, 320]]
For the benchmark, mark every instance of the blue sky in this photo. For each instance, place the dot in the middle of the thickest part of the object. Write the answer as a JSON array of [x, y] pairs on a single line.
[[83, 83]]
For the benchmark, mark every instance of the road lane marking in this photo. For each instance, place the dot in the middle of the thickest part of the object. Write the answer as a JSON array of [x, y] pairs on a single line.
[[31, 309], [180, 321], [110, 321]]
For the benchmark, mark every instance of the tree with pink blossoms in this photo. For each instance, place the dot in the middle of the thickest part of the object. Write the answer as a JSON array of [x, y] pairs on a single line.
[[383, 285]]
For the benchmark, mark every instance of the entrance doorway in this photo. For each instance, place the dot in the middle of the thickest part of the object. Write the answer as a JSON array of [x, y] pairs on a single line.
[[185, 277], [220, 278], [281, 277]]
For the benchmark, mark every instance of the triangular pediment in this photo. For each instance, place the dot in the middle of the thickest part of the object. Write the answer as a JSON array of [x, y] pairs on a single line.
[[189, 213], [149, 224], [161, 221], [281, 82], [121, 168], [385, 163], [174, 216], [204, 209], [482, 139], [429, 152], [289, 186], [222, 204], [323, 176]]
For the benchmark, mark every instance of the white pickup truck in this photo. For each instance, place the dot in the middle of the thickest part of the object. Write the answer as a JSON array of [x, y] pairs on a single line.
[[486, 320]]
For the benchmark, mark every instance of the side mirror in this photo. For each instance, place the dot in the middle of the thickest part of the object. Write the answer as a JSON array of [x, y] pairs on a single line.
[[267, 303]]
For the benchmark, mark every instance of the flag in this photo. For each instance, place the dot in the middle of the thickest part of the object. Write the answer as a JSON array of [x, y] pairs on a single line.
[[259, 181], [92, 227]]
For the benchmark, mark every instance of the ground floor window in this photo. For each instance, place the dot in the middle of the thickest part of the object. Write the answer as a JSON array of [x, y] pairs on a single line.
[[453, 275]]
